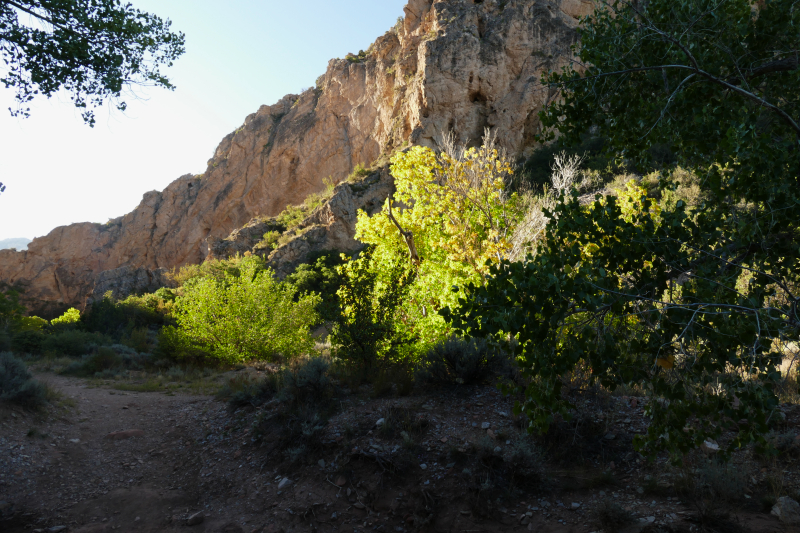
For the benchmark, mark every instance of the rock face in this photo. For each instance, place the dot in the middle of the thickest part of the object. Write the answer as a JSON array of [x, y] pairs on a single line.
[[460, 65]]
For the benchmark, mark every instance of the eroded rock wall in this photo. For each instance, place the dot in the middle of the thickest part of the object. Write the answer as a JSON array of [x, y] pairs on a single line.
[[453, 65]]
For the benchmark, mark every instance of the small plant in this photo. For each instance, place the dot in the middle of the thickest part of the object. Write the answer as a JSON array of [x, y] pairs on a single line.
[[612, 517], [526, 460], [458, 360], [17, 385], [271, 239], [307, 382], [103, 359], [244, 389]]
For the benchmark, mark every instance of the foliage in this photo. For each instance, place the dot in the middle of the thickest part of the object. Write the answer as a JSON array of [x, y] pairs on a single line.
[[27, 342], [450, 215], [216, 268], [320, 276], [360, 171], [246, 316], [119, 317], [371, 292], [176, 345], [535, 172], [30, 323], [70, 317], [688, 305], [17, 384], [270, 239], [458, 360], [10, 308], [244, 389], [307, 382], [94, 49], [73, 342]]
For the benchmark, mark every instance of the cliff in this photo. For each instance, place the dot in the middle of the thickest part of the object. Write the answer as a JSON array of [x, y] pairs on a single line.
[[460, 65]]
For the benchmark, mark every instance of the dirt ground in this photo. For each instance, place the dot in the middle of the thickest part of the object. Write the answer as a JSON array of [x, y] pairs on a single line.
[[111, 460]]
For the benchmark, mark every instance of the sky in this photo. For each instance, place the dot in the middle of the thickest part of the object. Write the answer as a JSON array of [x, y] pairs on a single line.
[[58, 170]]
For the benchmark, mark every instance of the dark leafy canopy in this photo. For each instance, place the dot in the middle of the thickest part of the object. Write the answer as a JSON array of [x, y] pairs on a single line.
[[94, 49], [695, 306]]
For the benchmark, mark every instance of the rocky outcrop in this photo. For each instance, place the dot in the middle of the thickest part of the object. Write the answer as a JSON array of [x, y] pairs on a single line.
[[126, 280], [452, 65]]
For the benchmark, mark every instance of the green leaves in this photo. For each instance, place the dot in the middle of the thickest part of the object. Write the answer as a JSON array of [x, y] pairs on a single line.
[[246, 316], [93, 49], [694, 305], [372, 290]]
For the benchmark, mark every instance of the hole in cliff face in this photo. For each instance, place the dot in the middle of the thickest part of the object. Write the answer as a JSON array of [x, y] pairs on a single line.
[[477, 98], [481, 27], [471, 77], [477, 1], [190, 185]]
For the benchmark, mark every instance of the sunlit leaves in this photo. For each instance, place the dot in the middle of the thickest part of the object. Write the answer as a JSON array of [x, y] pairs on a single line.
[[246, 315]]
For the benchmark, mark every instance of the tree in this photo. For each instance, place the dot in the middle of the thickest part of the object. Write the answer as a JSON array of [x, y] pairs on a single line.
[[370, 295], [94, 49], [698, 306], [449, 216], [246, 315]]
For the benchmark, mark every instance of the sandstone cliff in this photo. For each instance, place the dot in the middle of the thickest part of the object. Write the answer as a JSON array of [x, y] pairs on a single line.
[[460, 65]]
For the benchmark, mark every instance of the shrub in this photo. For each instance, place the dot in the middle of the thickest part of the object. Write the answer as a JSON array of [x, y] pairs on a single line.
[[71, 317], [458, 360], [611, 516], [17, 384], [29, 342], [320, 276], [245, 389], [366, 332], [73, 342], [118, 318], [5, 341], [271, 239], [526, 459], [175, 345], [246, 317], [307, 382], [30, 323], [104, 358]]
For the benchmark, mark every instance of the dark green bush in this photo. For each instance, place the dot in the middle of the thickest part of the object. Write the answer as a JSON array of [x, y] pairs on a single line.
[[29, 342], [5, 341], [536, 170], [245, 389], [366, 334], [73, 342], [320, 275], [307, 382], [17, 384], [459, 360], [117, 318], [105, 358], [174, 345]]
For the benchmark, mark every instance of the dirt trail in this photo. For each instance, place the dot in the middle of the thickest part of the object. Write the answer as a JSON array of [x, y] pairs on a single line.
[[150, 462], [71, 470]]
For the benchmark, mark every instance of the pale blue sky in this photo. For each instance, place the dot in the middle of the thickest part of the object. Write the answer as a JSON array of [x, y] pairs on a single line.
[[248, 53]]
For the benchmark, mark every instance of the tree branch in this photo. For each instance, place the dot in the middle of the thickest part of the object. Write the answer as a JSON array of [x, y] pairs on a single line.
[[408, 236]]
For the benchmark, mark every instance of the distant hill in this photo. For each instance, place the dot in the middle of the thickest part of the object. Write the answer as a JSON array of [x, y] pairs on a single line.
[[20, 243]]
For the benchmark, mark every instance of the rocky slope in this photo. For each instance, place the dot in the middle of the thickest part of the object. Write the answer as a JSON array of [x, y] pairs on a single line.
[[460, 65]]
